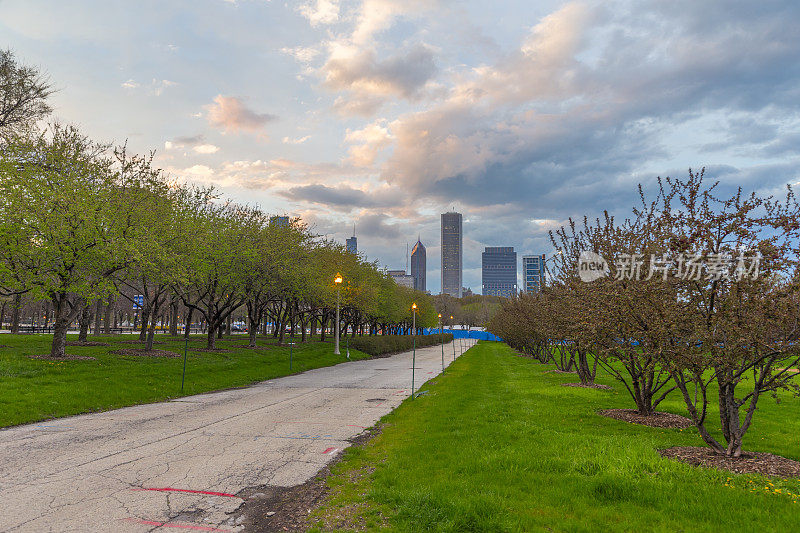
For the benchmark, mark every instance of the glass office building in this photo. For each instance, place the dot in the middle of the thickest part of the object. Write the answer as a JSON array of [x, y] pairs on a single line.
[[418, 266], [533, 272], [499, 271]]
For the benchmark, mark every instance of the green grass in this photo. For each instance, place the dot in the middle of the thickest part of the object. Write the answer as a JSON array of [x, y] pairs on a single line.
[[33, 390], [498, 445]]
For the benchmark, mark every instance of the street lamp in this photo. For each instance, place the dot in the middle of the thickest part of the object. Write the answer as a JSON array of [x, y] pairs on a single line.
[[454, 337], [414, 353], [338, 281], [441, 339]]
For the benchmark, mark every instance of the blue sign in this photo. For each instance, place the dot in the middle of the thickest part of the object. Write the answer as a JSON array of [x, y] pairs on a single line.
[[138, 301]]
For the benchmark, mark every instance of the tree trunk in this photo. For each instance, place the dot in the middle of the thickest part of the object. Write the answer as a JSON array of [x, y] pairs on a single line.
[[173, 322], [15, 312], [3, 315], [212, 336], [63, 316], [146, 312], [220, 330], [107, 318], [97, 314], [151, 333], [187, 327], [85, 320]]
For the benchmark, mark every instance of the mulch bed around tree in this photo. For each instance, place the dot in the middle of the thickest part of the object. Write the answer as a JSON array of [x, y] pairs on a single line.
[[559, 372], [141, 352], [268, 508], [86, 343], [137, 341], [67, 357], [587, 386], [657, 420], [210, 350], [766, 464]]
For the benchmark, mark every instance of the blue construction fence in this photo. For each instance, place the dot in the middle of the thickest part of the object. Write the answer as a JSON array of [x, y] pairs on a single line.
[[464, 334]]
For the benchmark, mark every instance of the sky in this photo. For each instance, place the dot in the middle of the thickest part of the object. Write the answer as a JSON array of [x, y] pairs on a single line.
[[384, 113]]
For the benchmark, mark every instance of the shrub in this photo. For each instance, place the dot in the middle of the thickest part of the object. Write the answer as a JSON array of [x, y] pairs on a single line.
[[386, 344]]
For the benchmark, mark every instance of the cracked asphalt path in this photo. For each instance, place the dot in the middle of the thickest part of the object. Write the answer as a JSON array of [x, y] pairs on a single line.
[[178, 465]]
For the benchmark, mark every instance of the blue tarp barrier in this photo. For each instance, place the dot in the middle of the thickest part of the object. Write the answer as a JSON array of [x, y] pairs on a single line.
[[464, 334]]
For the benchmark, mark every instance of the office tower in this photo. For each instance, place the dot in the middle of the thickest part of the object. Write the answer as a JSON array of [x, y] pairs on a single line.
[[452, 240], [533, 272], [280, 222], [352, 242], [418, 265], [499, 271], [401, 278]]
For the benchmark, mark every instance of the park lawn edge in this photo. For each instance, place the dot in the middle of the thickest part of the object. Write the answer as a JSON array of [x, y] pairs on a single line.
[[392, 483]]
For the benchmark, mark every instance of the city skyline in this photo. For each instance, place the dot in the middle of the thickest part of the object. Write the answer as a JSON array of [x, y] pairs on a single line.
[[520, 115]]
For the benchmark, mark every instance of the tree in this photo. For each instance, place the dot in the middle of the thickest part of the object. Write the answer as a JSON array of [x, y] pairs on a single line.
[[23, 94], [737, 322], [61, 231]]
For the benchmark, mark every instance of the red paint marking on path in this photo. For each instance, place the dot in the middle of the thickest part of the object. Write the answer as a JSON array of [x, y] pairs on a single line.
[[205, 492], [175, 525], [329, 450]]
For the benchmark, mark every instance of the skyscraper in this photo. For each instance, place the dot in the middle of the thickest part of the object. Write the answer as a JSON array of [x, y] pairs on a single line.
[[352, 242], [401, 278], [499, 271], [533, 272], [418, 261], [279, 221], [452, 240]]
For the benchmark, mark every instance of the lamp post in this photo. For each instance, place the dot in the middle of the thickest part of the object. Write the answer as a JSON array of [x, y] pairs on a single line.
[[454, 337], [414, 353], [338, 281], [441, 339]]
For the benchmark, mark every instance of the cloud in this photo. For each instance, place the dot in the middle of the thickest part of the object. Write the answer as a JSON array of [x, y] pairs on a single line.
[[372, 139], [341, 196], [155, 88], [197, 143], [206, 149], [303, 54], [298, 140], [230, 114], [321, 12], [369, 79]]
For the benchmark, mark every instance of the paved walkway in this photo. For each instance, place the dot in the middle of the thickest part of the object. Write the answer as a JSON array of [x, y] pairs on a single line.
[[177, 466]]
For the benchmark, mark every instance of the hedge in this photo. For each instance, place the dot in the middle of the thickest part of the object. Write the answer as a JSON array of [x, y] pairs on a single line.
[[386, 344]]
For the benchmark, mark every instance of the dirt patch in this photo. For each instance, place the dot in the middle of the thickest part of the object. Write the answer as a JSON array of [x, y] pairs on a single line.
[[86, 343], [267, 509], [4, 346], [137, 342], [766, 464], [587, 386], [67, 357], [657, 420], [141, 352], [209, 350]]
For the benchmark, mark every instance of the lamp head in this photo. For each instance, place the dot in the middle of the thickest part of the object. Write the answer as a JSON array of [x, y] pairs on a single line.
[[337, 279], [440, 315], [414, 306]]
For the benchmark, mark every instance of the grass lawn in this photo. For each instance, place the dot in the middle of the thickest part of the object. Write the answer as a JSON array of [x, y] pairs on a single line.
[[498, 445], [33, 390]]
